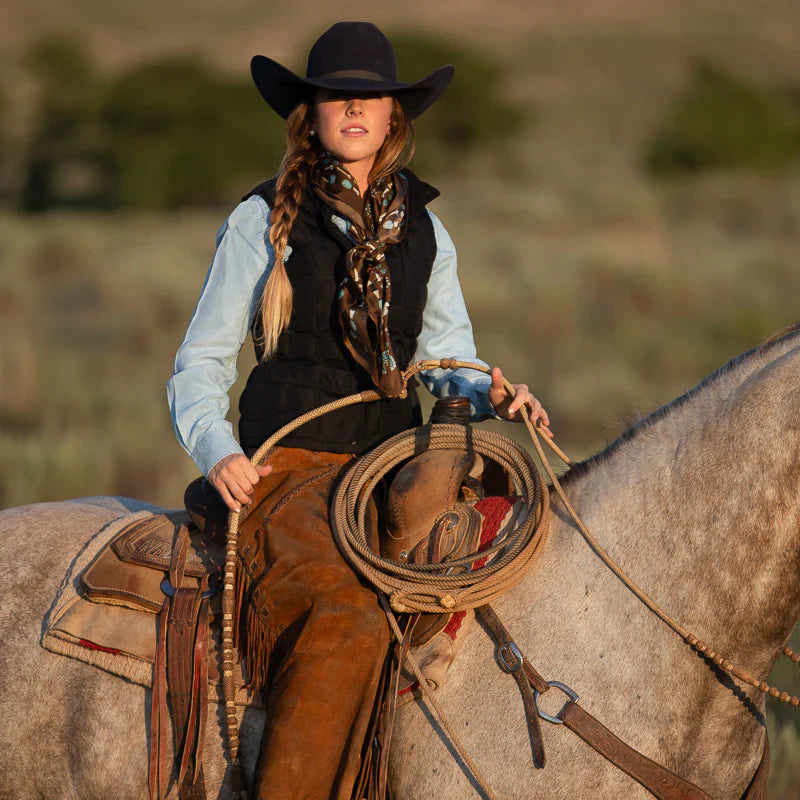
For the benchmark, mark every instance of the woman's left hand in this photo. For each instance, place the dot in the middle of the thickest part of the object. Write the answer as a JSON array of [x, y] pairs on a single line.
[[522, 402]]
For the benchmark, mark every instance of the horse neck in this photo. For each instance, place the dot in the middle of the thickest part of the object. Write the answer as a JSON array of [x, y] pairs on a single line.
[[701, 506]]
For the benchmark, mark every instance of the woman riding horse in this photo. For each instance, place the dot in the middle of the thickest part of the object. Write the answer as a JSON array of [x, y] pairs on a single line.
[[343, 277]]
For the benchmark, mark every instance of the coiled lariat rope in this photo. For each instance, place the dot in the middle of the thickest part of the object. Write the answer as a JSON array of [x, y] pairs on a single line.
[[456, 586], [424, 587], [429, 587]]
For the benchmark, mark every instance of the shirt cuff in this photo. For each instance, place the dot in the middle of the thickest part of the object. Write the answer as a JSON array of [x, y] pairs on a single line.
[[214, 445], [471, 384], [479, 402]]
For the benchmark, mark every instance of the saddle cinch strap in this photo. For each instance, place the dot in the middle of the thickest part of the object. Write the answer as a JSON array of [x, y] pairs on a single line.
[[181, 653]]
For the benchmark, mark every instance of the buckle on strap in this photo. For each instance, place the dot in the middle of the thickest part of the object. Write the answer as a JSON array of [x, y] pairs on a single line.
[[503, 657], [572, 695]]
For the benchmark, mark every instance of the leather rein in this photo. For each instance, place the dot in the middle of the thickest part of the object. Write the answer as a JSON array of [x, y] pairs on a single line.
[[658, 780]]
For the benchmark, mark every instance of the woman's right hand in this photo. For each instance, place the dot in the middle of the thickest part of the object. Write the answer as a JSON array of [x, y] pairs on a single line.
[[234, 478]]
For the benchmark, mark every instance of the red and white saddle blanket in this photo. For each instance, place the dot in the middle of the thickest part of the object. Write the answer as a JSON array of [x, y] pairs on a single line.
[[121, 640]]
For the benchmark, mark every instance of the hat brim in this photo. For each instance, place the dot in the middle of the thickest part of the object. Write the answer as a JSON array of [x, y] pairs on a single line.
[[284, 90]]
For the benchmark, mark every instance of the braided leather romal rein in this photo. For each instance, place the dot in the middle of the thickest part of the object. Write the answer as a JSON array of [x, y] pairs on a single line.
[[413, 588]]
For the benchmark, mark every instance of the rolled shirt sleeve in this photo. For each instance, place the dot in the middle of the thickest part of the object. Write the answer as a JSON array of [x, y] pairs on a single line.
[[447, 332], [205, 365]]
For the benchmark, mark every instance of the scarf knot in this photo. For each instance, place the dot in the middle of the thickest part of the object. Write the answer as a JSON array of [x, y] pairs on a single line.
[[365, 292], [372, 249]]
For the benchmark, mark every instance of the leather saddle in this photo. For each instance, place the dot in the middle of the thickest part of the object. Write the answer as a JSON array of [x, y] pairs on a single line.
[[171, 565], [133, 570], [429, 519], [429, 512]]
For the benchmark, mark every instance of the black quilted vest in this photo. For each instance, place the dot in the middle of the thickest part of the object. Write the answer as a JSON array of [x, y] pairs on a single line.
[[311, 366]]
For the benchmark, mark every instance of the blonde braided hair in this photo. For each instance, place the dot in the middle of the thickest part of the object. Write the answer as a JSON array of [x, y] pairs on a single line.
[[302, 151]]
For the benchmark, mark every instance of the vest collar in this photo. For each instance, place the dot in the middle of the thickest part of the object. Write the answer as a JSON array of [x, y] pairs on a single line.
[[420, 193]]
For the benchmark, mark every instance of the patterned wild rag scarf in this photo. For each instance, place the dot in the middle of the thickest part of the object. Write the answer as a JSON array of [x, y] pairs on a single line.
[[366, 291]]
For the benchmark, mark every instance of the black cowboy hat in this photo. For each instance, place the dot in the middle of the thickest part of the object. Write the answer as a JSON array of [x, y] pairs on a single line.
[[348, 57]]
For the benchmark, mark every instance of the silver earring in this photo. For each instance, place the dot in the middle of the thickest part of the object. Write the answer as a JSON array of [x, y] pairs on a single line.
[[312, 133]]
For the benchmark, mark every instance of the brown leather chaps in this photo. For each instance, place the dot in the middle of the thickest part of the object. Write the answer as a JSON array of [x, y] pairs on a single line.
[[314, 635]]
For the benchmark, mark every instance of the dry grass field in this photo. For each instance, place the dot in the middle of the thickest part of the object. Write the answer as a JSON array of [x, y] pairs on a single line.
[[606, 292]]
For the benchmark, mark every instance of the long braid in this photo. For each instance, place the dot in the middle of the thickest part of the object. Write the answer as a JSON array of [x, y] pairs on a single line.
[[276, 300]]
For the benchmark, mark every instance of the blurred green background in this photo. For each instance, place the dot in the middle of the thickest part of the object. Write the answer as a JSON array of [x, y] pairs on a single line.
[[622, 180]]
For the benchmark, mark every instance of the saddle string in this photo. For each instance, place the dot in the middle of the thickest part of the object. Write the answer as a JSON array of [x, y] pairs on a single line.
[[425, 687], [228, 600]]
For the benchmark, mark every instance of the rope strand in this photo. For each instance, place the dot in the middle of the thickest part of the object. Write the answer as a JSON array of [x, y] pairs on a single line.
[[427, 693]]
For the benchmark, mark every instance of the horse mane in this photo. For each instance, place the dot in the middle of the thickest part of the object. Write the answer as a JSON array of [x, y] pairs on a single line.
[[769, 344]]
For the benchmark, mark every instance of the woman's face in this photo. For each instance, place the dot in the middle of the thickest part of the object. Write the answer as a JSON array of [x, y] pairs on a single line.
[[353, 128]]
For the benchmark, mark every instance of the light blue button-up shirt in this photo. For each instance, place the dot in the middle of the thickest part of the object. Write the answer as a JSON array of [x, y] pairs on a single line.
[[205, 366]]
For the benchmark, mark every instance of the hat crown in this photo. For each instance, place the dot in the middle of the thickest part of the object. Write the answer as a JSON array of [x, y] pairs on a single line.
[[352, 47]]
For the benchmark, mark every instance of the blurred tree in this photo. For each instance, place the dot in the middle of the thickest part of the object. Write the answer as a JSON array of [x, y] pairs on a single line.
[[64, 147], [720, 121], [472, 114], [174, 132], [180, 135], [167, 134]]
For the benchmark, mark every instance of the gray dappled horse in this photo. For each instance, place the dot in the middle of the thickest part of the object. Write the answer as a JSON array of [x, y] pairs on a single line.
[[700, 503]]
